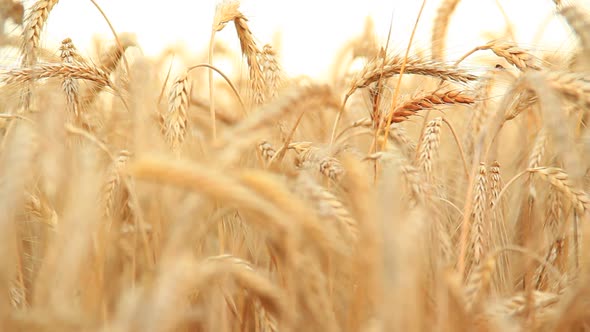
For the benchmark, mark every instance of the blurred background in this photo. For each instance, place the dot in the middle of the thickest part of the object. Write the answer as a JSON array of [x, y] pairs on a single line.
[[307, 33]]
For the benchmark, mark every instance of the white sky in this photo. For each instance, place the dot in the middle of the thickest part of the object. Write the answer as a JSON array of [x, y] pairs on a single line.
[[312, 30]]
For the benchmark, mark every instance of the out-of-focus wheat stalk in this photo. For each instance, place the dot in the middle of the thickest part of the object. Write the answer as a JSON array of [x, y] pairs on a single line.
[[120, 212]]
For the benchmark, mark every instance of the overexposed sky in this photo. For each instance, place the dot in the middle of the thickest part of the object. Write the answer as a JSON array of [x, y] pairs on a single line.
[[311, 30]]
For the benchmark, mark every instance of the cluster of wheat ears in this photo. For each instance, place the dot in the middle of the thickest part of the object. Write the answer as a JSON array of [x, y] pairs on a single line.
[[414, 194]]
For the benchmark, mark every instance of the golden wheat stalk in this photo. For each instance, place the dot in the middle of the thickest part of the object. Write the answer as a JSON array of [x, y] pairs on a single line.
[[252, 53], [560, 180], [429, 148], [226, 12], [107, 64], [522, 102], [380, 68], [429, 101], [175, 120], [516, 56], [51, 70], [70, 86], [480, 228], [553, 214], [495, 183], [113, 182], [35, 21], [271, 71], [31, 37], [538, 150]]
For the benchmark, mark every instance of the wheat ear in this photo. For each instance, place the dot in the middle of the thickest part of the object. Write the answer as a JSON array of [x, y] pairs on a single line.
[[480, 230], [175, 120], [252, 53], [70, 85], [516, 56], [429, 101], [271, 71], [560, 180], [63, 70], [225, 12], [113, 182], [35, 21], [31, 37], [377, 69], [429, 147], [107, 64], [538, 151]]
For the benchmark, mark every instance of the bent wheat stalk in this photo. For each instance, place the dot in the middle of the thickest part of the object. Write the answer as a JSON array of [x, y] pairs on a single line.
[[515, 55], [64, 70], [380, 68], [560, 180], [429, 101], [414, 65]]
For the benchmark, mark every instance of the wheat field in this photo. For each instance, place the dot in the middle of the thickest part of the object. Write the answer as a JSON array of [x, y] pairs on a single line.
[[412, 193]]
